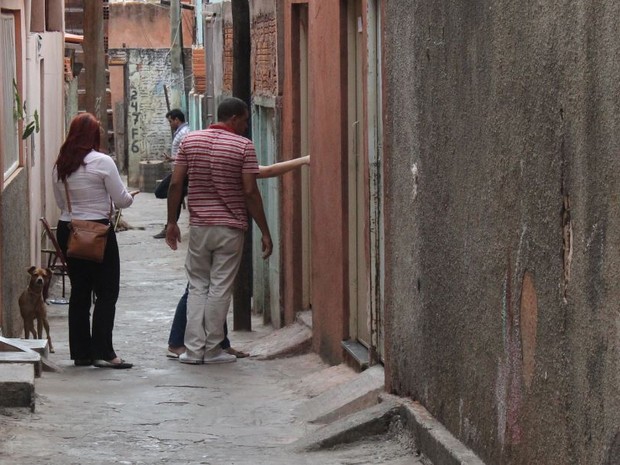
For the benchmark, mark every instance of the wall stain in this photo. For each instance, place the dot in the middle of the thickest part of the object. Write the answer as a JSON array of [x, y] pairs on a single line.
[[509, 392], [567, 244], [567, 225], [529, 324]]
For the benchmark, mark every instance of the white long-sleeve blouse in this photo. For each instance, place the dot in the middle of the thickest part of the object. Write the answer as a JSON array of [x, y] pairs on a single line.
[[90, 188]]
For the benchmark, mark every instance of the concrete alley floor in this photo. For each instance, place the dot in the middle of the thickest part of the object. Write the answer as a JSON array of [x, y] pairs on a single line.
[[162, 411]]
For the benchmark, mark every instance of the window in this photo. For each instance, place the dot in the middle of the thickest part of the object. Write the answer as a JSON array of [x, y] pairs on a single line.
[[9, 142]]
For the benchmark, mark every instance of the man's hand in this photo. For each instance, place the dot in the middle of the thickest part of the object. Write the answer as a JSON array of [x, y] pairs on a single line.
[[173, 235], [267, 245]]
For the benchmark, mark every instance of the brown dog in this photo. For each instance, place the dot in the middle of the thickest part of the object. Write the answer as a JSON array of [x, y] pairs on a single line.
[[32, 306]]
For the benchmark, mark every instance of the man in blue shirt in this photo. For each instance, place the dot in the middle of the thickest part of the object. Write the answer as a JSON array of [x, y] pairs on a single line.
[[180, 128]]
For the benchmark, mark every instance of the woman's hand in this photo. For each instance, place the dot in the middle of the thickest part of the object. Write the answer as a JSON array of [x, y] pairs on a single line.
[[134, 193]]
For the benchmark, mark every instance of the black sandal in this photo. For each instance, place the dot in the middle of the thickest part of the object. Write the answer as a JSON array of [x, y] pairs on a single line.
[[119, 366]]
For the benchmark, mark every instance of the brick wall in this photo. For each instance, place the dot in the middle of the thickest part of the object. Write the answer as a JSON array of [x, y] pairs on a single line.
[[228, 57], [264, 55]]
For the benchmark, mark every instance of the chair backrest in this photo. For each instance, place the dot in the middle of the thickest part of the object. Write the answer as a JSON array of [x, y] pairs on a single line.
[[52, 237]]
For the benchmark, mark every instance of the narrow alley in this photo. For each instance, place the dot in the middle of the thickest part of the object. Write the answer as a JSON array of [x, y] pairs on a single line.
[[162, 411], [443, 284]]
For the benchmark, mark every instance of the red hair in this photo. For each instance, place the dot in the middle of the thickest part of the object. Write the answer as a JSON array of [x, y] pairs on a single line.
[[84, 136]]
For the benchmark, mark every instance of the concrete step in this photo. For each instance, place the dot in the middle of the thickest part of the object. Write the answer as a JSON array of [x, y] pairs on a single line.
[[368, 422], [285, 342], [39, 346], [14, 350], [321, 381], [17, 384], [305, 318], [346, 398]]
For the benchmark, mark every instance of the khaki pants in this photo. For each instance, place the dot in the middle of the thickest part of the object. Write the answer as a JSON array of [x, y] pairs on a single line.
[[213, 258]]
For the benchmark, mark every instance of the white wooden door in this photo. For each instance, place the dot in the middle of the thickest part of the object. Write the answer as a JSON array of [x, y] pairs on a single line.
[[359, 325]]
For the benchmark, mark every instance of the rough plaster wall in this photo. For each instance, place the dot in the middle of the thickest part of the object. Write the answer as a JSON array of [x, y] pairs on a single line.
[[264, 55], [148, 131], [15, 251], [71, 101], [502, 125]]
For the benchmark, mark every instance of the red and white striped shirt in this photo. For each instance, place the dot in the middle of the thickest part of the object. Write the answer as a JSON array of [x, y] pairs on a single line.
[[216, 158]]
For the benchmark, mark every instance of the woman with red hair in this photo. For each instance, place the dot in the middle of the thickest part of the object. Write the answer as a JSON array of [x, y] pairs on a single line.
[[92, 181]]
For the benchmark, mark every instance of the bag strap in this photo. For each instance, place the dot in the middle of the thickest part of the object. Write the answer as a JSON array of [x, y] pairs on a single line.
[[69, 203], [68, 198]]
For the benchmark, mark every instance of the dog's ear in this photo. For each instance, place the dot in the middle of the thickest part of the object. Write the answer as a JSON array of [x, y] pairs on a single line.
[[48, 272], [31, 269]]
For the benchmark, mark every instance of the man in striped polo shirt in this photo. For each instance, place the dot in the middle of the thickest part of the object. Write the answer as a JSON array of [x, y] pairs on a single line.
[[221, 166]]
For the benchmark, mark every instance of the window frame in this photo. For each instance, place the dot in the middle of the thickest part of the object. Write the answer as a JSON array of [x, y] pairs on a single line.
[[15, 161]]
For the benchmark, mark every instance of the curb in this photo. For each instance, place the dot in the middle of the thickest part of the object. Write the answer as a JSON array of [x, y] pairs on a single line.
[[431, 437]]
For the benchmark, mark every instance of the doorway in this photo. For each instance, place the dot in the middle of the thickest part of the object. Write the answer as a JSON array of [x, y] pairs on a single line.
[[306, 262], [266, 288], [359, 327], [374, 140], [365, 168]]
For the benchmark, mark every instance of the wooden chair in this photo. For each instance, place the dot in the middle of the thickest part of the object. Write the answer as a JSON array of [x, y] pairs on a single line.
[[55, 259], [117, 219]]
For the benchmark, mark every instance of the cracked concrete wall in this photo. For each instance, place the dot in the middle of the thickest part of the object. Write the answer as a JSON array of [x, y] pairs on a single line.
[[502, 223]]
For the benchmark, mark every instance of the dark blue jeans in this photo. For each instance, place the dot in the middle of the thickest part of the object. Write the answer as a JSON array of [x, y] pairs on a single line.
[[177, 331]]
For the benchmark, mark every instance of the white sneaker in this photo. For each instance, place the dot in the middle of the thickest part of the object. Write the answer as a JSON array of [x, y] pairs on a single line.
[[219, 357], [184, 358]]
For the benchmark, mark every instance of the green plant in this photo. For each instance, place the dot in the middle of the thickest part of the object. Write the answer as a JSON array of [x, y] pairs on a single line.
[[20, 114]]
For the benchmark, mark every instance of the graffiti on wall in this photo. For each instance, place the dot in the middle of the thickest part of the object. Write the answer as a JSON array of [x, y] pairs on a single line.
[[148, 131]]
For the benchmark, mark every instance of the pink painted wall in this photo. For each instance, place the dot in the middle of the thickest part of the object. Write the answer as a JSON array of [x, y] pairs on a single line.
[[328, 174], [144, 25], [290, 226]]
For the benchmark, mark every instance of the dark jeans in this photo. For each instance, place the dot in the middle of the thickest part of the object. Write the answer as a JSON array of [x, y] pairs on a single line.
[[162, 191], [86, 278], [177, 331]]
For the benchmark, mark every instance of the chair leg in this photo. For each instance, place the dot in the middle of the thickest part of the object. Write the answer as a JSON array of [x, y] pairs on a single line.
[[46, 290]]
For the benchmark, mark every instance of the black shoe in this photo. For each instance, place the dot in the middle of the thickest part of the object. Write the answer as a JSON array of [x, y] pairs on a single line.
[[82, 362], [161, 234]]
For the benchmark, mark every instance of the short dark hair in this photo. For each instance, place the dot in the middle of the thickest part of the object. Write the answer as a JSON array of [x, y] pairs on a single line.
[[176, 114], [230, 107]]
